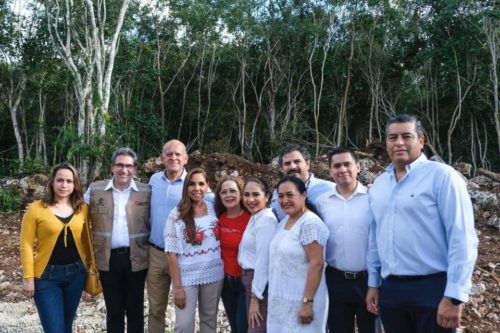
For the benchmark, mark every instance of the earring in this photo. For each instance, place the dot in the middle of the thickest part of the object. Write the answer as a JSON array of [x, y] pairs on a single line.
[[303, 209]]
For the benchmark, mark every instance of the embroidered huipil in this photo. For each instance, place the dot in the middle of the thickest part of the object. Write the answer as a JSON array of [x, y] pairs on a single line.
[[288, 267], [199, 261]]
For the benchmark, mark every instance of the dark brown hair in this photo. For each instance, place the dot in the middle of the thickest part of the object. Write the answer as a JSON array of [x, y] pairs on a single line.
[[218, 205], [185, 206], [264, 186], [75, 198]]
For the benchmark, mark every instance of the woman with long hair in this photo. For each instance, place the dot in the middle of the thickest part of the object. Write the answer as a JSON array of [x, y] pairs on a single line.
[[193, 256], [233, 219], [55, 276], [298, 298], [253, 255]]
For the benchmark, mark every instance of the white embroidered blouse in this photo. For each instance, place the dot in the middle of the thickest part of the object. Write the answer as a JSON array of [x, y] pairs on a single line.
[[199, 259]]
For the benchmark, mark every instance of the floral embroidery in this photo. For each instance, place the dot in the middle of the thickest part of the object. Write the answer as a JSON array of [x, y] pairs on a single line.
[[199, 236]]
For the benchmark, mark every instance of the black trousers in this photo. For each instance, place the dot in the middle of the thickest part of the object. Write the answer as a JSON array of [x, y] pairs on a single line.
[[234, 300], [410, 305], [123, 294], [347, 304]]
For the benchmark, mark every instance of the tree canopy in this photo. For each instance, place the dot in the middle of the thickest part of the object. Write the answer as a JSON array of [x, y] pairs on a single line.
[[78, 79]]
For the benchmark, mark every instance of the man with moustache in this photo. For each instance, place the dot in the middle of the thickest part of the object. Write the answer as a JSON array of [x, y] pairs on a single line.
[[296, 161], [346, 212], [166, 193], [424, 246], [119, 213]]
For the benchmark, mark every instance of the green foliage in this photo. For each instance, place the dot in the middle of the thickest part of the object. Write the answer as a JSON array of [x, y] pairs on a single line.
[[210, 72], [10, 200], [28, 167]]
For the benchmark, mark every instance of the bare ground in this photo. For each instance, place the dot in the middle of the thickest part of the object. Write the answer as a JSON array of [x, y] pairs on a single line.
[[17, 314]]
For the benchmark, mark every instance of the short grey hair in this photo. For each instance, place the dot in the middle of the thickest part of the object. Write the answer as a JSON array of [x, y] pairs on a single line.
[[290, 148], [406, 118], [125, 151]]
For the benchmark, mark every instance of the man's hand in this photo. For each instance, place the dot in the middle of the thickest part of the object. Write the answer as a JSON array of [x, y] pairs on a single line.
[[372, 300], [448, 314]]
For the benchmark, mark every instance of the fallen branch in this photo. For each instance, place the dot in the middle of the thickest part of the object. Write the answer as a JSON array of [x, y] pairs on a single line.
[[490, 174], [364, 155], [489, 273]]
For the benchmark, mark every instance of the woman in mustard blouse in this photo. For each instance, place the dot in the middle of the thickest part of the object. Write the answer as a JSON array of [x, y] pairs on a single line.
[[55, 276]]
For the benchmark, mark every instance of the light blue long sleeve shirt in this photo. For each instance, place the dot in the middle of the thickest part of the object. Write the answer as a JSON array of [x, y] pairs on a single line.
[[165, 196], [315, 188], [423, 224]]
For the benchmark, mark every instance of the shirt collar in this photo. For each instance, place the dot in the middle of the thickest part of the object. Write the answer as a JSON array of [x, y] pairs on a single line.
[[310, 179], [360, 189], [110, 186], [261, 212], [180, 179], [421, 159]]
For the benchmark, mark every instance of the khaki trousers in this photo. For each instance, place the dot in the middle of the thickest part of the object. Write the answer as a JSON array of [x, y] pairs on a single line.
[[207, 297], [158, 284]]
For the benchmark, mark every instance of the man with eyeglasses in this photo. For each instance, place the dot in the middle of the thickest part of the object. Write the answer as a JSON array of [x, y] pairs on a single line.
[[119, 213]]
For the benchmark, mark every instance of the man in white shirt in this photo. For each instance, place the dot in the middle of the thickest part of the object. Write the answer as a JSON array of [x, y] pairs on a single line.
[[119, 213], [296, 161], [346, 212]]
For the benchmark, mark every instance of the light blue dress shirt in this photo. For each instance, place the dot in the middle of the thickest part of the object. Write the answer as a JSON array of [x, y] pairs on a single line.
[[315, 188], [424, 224], [349, 222], [165, 196]]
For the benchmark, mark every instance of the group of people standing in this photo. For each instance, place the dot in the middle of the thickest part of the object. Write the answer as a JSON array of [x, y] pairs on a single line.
[[403, 250]]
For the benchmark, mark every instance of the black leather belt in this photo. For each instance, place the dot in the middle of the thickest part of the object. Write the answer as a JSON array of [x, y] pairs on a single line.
[[413, 277], [157, 247], [121, 250], [348, 275]]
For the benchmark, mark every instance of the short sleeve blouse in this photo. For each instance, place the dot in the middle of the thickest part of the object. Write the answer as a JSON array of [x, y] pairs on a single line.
[[199, 261]]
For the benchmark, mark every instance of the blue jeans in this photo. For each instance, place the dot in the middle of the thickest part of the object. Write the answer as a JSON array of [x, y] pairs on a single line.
[[234, 300], [57, 295]]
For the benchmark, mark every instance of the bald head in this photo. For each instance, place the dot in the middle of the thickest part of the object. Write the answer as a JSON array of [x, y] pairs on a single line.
[[174, 157]]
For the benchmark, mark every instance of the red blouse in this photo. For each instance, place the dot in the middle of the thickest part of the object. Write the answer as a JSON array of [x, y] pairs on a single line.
[[230, 234]]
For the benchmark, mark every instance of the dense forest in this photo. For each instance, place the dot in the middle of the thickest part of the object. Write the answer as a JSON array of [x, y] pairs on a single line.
[[79, 78]]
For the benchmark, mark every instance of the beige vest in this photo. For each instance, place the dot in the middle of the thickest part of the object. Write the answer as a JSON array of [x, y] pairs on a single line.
[[101, 216]]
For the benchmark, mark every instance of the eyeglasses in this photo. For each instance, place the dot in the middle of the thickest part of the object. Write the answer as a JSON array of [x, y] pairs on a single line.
[[124, 166]]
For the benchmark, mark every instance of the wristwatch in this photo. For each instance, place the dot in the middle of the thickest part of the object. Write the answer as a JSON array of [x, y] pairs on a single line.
[[305, 300]]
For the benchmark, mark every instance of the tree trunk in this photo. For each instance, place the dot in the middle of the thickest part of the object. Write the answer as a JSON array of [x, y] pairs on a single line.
[[14, 101], [343, 104]]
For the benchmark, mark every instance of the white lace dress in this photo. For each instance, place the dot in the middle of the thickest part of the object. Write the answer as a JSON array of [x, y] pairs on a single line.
[[288, 268]]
